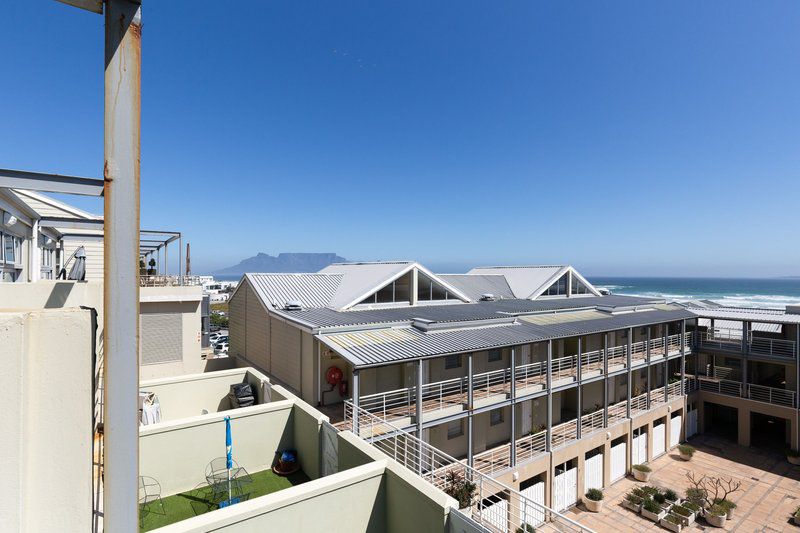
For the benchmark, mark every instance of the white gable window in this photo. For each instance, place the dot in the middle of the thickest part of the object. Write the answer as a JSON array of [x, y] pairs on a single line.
[[398, 291], [558, 288], [578, 287], [429, 290]]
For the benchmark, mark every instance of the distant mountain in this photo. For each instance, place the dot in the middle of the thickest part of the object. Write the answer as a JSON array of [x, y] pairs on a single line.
[[291, 262]]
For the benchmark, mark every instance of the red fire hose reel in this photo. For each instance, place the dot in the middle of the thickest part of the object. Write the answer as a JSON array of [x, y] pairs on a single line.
[[334, 377]]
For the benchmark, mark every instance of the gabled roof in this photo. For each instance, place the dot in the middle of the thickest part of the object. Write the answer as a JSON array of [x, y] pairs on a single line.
[[313, 290], [476, 285], [532, 280], [46, 206], [362, 279]]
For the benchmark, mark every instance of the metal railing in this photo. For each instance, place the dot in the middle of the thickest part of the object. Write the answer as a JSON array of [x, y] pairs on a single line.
[[721, 386], [531, 373], [564, 433], [639, 403], [491, 383], [617, 412], [169, 281], [762, 393], [493, 460], [617, 356], [657, 396], [531, 446], [591, 422], [565, 367], [773, 347], [592, 361], [722, 338], [494, 505], [674, 389]]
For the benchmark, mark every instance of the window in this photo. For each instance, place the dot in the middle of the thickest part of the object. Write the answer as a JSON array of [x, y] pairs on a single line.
[[495, 417], [455, 429], [578, 287], [428, 290], [452, 361], [495, 355], [9, 248], [558, 288], [397, 291]]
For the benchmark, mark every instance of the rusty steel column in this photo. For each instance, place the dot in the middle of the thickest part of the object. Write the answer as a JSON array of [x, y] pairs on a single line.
[[123, 26]]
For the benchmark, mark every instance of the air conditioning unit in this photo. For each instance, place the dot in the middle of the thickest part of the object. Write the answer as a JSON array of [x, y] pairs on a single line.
[[488, 297], [293, 305]]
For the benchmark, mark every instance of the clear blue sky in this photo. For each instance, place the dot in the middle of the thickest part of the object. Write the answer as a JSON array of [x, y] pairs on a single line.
[[629, 138]]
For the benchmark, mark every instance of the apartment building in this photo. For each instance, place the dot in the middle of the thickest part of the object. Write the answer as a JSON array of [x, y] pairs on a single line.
[[38, 237], [529, 374]]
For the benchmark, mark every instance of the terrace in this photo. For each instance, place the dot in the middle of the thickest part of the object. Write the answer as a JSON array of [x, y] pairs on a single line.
[[766, 501], [444, 398]]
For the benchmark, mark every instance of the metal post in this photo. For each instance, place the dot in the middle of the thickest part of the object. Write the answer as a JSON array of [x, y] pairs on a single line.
[[666, 363], [122, 118], [470, 399], [605, 380], [513, 454], [647, 354], [549, 384], [356, 394], [419, 399], [580, 385], [745, 335], [683, 358], [630, 375]]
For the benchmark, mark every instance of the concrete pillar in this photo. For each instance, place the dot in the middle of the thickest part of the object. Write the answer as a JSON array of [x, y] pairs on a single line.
[[647, 354], [549, 384], [744, 426]]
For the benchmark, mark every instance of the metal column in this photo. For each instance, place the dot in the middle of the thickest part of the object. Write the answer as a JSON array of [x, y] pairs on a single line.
[[666, 363], [683, 358], [605, 380], [419, 399], [580, 396], [647, 367], [122, 118], [630, 375], [513, 454], [356, 394], [470, 399], [549, 384]]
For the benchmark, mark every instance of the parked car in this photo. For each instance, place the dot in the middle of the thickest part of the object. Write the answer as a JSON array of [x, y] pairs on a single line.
[[220, 347]]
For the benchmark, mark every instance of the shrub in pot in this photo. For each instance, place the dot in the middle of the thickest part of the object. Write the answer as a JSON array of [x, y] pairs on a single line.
[[697, 496], [686, 452], [671, 496], [526, 528], [717, 515], [793, 456], [672, 522], [641, 472], [460, 488], [652, 510], [685, 513], [728, 505], [633, 502], [796, 516], [594, 500]]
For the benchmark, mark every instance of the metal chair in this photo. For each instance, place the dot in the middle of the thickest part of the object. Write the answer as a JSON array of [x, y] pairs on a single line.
[[217, 477], [149, 492]]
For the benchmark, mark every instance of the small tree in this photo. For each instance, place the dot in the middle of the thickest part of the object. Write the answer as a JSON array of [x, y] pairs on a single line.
[[460, 488], [711, 490]]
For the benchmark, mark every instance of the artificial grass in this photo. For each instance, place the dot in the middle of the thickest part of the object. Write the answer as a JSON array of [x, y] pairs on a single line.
[[198, 501]]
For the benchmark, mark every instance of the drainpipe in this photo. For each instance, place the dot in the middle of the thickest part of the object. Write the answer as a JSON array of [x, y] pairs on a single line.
[[122, 134], [513, 453], [470, 406], [356, 394], [549, 384]]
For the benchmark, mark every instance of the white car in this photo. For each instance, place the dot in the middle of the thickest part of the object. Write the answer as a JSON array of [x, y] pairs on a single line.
[[221, 347]]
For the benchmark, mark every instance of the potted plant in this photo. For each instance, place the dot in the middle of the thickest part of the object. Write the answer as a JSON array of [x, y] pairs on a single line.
[[793, 456], [671, 496], [661, 499], [687, 515], [594, 500], [633, 502], [526, 528], [693, 507], [652, 510], [460, 488], [686, 451], [641, 472], [796, 516], [727, 504], [672, 522], [717, 515]]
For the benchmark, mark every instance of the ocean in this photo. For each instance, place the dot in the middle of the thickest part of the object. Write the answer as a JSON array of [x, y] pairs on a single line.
[[767, 292]]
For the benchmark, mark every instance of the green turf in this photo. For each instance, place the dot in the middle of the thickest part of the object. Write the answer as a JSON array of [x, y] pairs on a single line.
[[198, 501]]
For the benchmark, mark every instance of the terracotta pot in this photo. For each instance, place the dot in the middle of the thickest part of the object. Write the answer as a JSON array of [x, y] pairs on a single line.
[[593, 505], [641, 476]]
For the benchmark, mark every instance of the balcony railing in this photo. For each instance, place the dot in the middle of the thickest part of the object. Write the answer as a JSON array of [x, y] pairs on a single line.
[[531, 446], [169, 281], [721, 386], [724, 339], [591, 422], [617, 412], [564, 433], [773, 347], [761, 393]]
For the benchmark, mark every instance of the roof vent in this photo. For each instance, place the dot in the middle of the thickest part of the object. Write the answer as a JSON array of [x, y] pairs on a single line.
[[488, 297], [293, 305]]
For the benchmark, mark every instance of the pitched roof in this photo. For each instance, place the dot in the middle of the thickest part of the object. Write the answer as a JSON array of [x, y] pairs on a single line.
[[359, 280], [532, 280], [313, 290], [476, 285]]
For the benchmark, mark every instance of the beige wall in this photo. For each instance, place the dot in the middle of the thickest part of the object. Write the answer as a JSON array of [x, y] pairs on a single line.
[[46, 449]]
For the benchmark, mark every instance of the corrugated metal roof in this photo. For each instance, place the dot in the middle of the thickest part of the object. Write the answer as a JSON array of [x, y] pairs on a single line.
[[393, 345], [561, 318], [328, 318], [361, 279], [313, 290], [476, 285], [776, 316], [524, 280], [734, 325]]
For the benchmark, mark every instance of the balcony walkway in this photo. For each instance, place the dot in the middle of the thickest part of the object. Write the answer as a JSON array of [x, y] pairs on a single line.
[[448, 397], [765, 502], [751, 391]]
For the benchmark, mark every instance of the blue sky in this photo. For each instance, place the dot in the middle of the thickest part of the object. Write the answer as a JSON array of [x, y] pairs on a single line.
[[627, 138]]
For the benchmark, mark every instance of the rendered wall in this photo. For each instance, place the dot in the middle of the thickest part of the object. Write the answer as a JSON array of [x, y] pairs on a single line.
[[46, 448]]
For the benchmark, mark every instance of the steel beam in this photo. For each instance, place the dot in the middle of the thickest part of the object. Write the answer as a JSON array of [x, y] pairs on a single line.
[[513, 451], [122, 119], [470, 406], [42, 182], [630, 374]]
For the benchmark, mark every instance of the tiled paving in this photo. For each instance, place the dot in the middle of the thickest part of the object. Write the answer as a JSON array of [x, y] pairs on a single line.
[[769, 495]]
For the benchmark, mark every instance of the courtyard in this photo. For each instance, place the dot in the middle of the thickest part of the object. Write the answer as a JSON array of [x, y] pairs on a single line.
[[769, 494]]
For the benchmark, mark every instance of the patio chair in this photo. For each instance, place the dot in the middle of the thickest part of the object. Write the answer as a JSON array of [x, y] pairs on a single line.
[[217, 477], [149, 492]]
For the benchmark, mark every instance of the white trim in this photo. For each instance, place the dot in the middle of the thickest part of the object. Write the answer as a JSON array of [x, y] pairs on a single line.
[[55, 203], [585, 282], [546, 285]]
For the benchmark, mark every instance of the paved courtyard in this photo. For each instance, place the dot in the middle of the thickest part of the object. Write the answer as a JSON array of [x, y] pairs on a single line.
[[769, 495]]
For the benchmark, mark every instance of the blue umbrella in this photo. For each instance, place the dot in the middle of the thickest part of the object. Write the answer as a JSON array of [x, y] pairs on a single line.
[[229, 461]]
